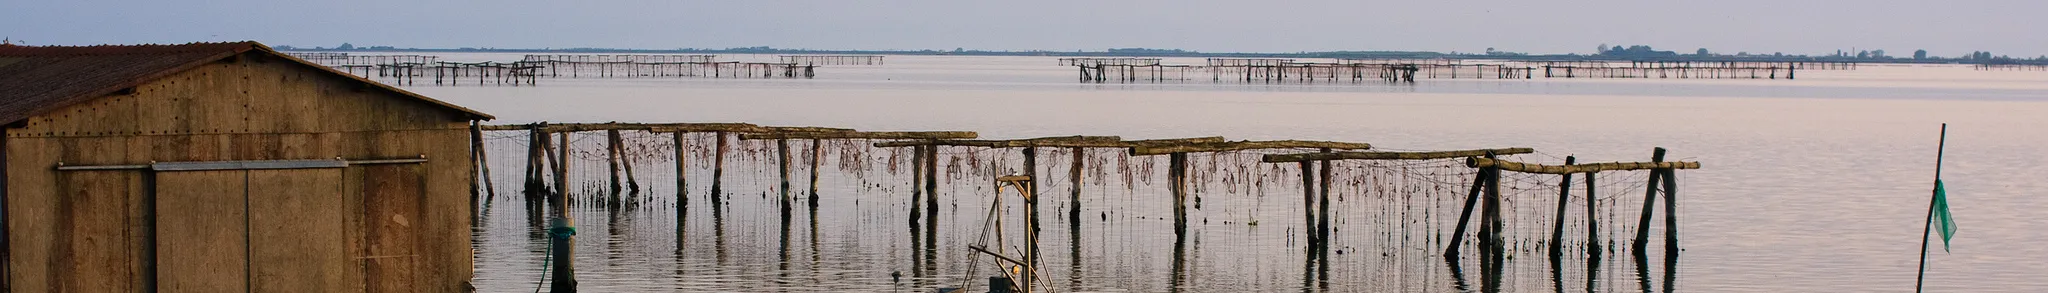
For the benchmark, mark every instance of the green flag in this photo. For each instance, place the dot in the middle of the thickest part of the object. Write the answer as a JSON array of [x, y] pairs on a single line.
[[1941, 217]]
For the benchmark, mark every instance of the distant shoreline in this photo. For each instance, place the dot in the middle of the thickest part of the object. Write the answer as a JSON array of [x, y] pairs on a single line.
[[1190, 54]]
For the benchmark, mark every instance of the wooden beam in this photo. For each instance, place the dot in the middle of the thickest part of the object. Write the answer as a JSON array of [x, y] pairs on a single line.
[[652, 127], [1243, 145], [1287, 158], [1056, 141], [1580, 168], [863, 135], [664, 127]]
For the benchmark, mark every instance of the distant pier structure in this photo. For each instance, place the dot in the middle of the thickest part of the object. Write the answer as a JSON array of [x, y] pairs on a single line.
[[651, 66], [2011, 67], [529, 69], [831, 59], [421, 69], [1287, 70]]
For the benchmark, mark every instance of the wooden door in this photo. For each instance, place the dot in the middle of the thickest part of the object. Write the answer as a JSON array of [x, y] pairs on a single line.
[[263, 230]]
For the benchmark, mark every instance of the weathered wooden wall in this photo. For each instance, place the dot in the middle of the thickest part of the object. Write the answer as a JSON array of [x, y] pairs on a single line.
[[404, 227]]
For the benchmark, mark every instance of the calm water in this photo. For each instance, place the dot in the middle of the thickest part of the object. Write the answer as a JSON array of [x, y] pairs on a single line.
[[1810, 185]]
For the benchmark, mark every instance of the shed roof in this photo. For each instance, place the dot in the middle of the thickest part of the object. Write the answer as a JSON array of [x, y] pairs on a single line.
[[38, 79]]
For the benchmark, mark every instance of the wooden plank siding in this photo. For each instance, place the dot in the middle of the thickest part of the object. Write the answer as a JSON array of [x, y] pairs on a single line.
[[255, 108], [204, 248]]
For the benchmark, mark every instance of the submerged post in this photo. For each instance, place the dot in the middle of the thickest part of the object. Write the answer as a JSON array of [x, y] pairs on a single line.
[[1592, 221], [1564, 196], [1490, 240], [1177, 169], [1031, 208], [817, 154], [1323, 211], [931, 189], [563, 231], [562, 171], [535, 154], [718, 171], [1465, 217], [1074, 202], [782, 166], [611, 148], [1649, 204], [1670, 214], [916, 185]]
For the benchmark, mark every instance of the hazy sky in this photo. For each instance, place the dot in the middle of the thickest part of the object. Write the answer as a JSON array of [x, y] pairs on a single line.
[[1945, 28]]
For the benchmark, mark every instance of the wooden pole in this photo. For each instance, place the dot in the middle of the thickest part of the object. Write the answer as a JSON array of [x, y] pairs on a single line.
[[817, 154], [479, 170], [1592, 219], [1670, 213], [1465, 218], [561, 162], [611, 149], [1030, 191], [1031, 213], [1490, 240], [535, 150], [1564, 196], [1649, 205], [1177, 173], [565, 256], [916, 186], [718, 171], [931, 190], [1928, 230], [626, 162], [782, 166], [1308, 202], [1323, 211], [1074, 202]]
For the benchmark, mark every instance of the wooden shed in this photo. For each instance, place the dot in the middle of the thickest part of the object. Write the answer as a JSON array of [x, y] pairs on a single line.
[[226, 167]]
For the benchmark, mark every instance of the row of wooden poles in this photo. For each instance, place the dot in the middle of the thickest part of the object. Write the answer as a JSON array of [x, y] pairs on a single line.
[[1296, 72], [2011, 67], [448, 73], [831, 59], [548, 156]]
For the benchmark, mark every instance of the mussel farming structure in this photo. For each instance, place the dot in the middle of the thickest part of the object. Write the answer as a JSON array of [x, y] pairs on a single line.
[[1400, 215], [2011, 67], [1276, 70], [428, 70], [831, 59]]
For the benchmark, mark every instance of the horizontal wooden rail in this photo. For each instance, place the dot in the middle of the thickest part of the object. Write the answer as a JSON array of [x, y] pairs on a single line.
[[1287, 158], [661, 127], [1012, 143], [1579, 168], [863, 135], [1244, 145]]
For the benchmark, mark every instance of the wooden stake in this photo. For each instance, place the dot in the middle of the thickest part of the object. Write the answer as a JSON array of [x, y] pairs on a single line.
[[1649, 204], [718, 171], [916, 185], [817, 154], [1564, 195], [611, 149], [1592, 219], [782, 165], [1177, 173], [1670, 213], [1074, 209], [1323, 213], [931, 188], [1308, 202], [1465, 218]]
